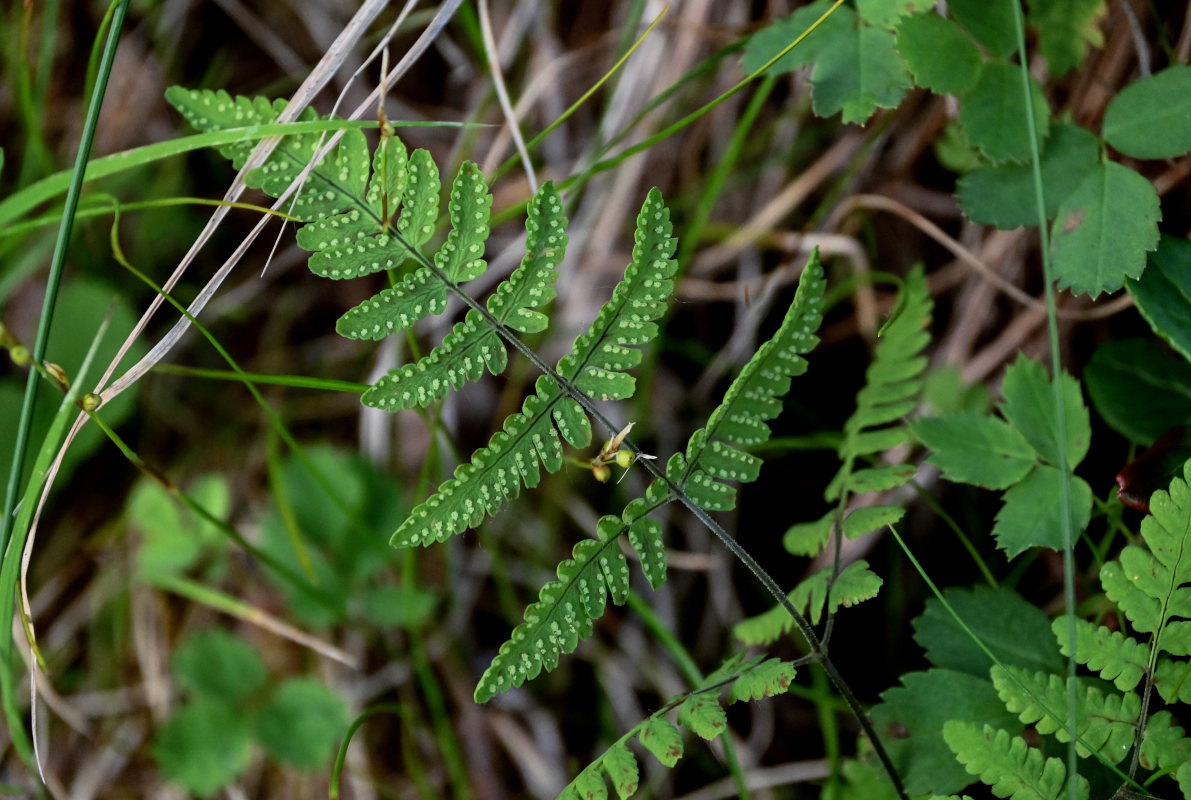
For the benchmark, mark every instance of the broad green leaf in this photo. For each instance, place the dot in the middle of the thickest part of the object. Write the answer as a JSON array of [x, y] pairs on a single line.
[[203, 746], [1140, 390], [919, 707], [1164, 744], [994, 114], [989, 21], [1066, 28], [1032, 514], [859, 73], [771, 40], [1104, 230], [703, 714], [1029, 407], [954, 151], [1003, 194], [946, 389], [975, 448], [1016, 632], [219, 665], [174, 538], [941, 57], [1163, 295], [884, 13], [302, 723], [1151, 117], [661, 738]]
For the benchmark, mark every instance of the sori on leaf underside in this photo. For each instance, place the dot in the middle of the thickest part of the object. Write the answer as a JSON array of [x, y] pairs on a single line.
[[348, 204]]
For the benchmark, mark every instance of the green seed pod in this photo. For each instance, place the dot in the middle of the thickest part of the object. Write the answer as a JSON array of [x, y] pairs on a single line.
[[601, 473], [91, 401], [625, 458], [20, 355]]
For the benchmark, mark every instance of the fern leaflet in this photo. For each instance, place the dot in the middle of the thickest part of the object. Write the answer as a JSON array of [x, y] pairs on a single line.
[[596, 366], [565, 608], [1006, 763], [1112, 654], [1105, 722], [698, 711]]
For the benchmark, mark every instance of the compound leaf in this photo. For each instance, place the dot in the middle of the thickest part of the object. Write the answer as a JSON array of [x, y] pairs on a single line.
[[1007, 764]]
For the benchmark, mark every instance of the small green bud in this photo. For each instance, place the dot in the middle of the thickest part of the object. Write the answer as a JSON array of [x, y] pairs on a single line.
[[601, 473], [58, 374], [625, 458], [20, 355], [91, 401]]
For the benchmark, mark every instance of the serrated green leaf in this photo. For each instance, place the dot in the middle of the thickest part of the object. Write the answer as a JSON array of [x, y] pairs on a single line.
[[588, 785], [1151, 117], [1066, 28], [1106, 722], [880, 479], [216, 664], [302, 723], [203, 746], [1140, 390], [808, 538], [661, 738], [871, 518], [1029, 406], [989, 21], [994, 114], [884, 13], [919, 707], [771, 40], [621, 766], [1003, 194], [766, 679], [702, 714], [1104, 230], [976, 449], [419, 294], [1163, 296], [1113, 655], [939, 54], [1164, 745], [860, 72], [419, 209], [1015, 631], [1031, 517], [1172, 680], [1007, 763], [855, 584]]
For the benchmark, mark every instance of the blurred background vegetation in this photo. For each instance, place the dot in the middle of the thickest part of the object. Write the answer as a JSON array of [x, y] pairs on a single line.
[[165, 643]]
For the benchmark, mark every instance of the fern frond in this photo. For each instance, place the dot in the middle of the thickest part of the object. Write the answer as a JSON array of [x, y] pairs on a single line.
[[1149, 586], [1172, 679], [892, 384], [714, 452], [855, 583], [698, 711], [472, 344], [1106, 722], [596, 366], [1115, 656], [1007, 764]]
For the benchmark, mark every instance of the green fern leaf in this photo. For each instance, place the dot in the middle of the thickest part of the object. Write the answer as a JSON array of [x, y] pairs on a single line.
[[1172, 679], [511, 458], [661, 738], [473, 345], [1149, 586], [892, 384], [703, 714], [713, 453], [1115, 656], [329, 187], [854, 584], [808, 538], [1164, 745], [588, 785], [1007, 764], [870, 518], [645, 535], [771, 677], [1106, 722]]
